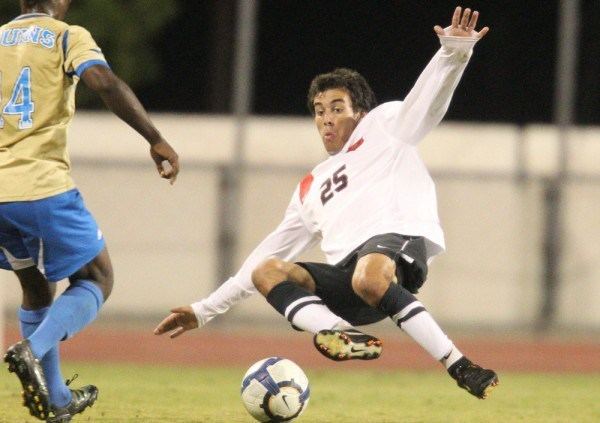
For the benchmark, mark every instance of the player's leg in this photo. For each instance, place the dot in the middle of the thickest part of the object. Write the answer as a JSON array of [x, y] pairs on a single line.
[[66, 242], [71, 246], [38, 294], [73, 310], [77, 306], [378, 280], [374, 281], [37, 298], [289, 288], [295, 298]]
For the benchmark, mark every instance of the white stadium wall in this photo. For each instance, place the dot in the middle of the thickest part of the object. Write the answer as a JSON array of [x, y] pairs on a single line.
[[162, 238]]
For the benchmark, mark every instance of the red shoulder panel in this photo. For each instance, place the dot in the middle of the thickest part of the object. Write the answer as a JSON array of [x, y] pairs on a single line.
[[305, 186]]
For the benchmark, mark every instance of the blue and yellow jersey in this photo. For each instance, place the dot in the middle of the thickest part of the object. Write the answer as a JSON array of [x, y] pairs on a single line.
[[41, 60]]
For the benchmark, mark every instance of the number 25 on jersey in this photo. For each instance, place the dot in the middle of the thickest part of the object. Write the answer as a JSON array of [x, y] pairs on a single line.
[[336, 183], [20, 102]]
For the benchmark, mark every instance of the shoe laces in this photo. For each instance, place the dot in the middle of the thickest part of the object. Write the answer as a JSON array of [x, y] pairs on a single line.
[[70, 381]]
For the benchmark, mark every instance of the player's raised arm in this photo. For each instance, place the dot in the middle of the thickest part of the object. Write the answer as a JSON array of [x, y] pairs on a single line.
[[122, 101], [462, 25], [429, 99]]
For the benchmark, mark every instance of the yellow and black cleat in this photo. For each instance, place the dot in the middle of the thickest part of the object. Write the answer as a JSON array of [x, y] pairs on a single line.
[[348, 344]]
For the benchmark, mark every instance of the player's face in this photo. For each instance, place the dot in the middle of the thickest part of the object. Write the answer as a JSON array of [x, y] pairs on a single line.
[[335, 118]]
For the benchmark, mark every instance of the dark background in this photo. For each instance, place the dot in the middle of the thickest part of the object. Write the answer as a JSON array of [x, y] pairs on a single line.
[[511, 77]]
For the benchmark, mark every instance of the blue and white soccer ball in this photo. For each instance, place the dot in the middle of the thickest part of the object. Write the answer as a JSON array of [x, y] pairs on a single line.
[[275, 390]]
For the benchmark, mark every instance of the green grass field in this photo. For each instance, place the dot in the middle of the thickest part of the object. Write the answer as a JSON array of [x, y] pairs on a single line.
[[130, 393]]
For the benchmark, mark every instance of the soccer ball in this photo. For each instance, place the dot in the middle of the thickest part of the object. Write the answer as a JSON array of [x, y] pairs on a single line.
[[275, 390]]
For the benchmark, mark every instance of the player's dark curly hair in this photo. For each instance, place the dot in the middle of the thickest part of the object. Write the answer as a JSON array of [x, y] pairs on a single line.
[[361, 94], [32, 3]]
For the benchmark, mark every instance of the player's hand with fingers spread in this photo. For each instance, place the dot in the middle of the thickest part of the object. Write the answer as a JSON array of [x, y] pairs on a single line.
[[162, 153], [179, 321], [463, 25]]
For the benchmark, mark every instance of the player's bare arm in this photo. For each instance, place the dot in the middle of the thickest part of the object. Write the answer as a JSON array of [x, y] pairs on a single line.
[[122, 101], [179, 321], [463, 24]]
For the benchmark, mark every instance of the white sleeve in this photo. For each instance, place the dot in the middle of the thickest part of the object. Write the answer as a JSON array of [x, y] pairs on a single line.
[[427, 103], [286, 242]]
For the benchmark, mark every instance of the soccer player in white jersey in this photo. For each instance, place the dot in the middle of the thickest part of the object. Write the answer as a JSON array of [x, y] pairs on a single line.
[[46, 232], [373, 205]]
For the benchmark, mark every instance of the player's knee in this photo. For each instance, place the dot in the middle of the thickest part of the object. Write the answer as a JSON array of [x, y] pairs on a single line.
[[370, 290], [269, 273], [103, 280], [107, 285], [104, 277], [302, 277], [371, 280], [99, 271]]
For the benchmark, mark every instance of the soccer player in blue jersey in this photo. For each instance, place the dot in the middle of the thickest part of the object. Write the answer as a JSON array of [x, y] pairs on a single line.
[[46, 233]]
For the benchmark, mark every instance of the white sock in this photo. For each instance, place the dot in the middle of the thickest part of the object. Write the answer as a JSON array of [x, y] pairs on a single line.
[[452, 357], [307, 314], [421, 327]]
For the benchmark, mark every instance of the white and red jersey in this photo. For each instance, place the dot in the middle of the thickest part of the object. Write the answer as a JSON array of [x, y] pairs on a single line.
[[376, 184]]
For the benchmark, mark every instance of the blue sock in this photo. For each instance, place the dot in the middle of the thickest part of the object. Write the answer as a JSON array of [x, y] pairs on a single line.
[[60, 395], [73, 310]]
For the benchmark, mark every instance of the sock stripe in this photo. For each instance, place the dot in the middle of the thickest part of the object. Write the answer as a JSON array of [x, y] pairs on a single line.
[[301, 304], [410, 314], [286, 294], [33, 317], [303, 309], [297, 301], [407, 309]]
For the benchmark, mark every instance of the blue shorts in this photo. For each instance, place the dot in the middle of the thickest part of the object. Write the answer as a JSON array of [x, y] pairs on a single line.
[[57, 234]]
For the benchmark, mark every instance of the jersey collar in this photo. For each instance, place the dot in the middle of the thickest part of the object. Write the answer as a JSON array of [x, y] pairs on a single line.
[[354, 141], [31, 15]]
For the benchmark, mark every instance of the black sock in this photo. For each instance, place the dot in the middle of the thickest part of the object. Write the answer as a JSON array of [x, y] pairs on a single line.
[[304, 310], [285, 293], [395, 299]]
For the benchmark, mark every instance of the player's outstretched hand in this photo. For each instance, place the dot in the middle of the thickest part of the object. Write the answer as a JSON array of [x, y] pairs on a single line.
[[179, 321], [463, 25], [162, 153]]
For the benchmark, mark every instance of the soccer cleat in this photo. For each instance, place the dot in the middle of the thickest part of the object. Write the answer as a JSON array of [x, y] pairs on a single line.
[[82, 398], [475, 379], [341, 345], [28, 369]]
